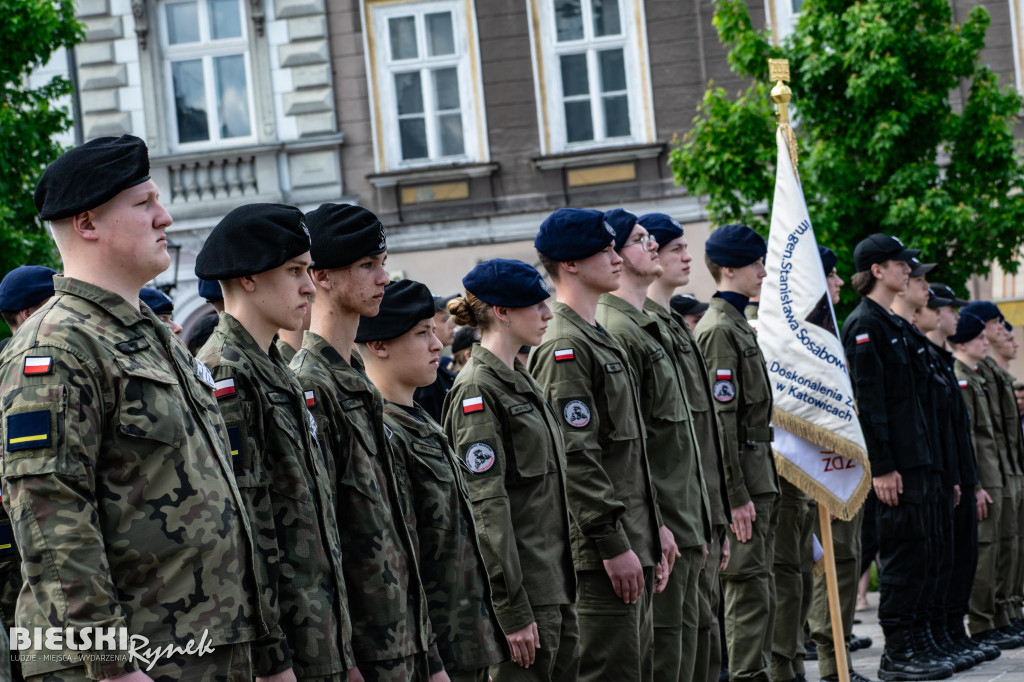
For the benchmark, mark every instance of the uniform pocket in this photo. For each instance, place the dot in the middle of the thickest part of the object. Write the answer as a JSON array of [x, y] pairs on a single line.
[[621, 421], [530, 441], [150, 405], [435, 485], [286, 447]]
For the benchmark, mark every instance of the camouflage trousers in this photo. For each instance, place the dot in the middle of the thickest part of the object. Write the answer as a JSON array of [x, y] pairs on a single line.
[[228, 663], [616, 639], [558, 659], [409, 669]]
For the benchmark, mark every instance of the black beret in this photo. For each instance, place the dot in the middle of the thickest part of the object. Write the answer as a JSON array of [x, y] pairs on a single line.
[[573, 234], [341, 234], [252, 239], [406, 303], [663, 228], [879, 248], [464, 338], [91, 174], [506, 282], [968, 328], [941, 295], [26, 286], [735, 246], [829, 259], [686, 304], [919, 269], [210, 290], [159, 302], [983, 310], [622, 222], [441, 303]]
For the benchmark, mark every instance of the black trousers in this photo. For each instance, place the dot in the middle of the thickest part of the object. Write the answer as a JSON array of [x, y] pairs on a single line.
[[942, 547], [904, 544], [965, 554]]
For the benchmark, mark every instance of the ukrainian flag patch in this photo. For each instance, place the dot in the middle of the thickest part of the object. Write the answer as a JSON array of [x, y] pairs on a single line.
[[28, 430], [235, 441]]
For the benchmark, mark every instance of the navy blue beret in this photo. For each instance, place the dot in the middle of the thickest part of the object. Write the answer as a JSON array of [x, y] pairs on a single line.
[[829, 259], [662, 227], [210, 290], [159, 302], [26, 286], [983, 310], [968, 328], [1008, 326], [91, 174], [506, 282], [341, 234], [687, 304], [622, 222], [406, 303], [573, 234], [879, 248], [252, 239], [735, 246]]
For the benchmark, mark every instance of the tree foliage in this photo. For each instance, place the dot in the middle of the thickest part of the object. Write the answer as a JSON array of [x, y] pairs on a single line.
[[882, 148], [31, 30]]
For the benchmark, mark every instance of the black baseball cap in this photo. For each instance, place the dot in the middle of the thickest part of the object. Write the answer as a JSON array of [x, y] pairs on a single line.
[[879, 248]]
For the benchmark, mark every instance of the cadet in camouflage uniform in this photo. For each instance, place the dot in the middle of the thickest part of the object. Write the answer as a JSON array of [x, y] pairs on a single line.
[[675, 260], [391, 635], [672, 450], [735, 256], [587, 378], [509, 442], [260, 255], [117, 472], [401, 354]]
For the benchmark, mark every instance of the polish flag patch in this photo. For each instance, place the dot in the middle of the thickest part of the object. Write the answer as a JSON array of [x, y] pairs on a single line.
[[38, 365], [310, 398], [224, 388], [564, 354], [470, 405], [723, 375], [862, 338], [963, 383]]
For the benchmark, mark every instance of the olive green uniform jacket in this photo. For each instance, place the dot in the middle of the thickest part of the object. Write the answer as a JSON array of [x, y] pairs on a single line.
[[385, 595], [743, 399], [510, 445], [1006, 420], [988, 449], [672, 450], [438, 514], [117, 477], [588, 381], [282, 475]]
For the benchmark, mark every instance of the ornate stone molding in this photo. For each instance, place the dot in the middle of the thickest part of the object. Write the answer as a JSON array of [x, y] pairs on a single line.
[[141, 22], [258, 16]]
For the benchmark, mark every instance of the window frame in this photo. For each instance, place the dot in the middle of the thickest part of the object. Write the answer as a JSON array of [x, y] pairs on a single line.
[[382, 89], [206, 50], [547, 53]]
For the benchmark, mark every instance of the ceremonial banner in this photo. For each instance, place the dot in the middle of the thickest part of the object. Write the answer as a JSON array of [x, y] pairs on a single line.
[[818, 443]]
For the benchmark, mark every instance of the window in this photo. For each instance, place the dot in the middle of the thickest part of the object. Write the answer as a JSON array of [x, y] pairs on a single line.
[[208, 75], [595, 86], [786, 12], [430, 107]]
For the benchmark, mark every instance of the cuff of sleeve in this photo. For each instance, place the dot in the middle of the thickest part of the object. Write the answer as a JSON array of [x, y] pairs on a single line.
[[271, 654], [100, 667], [514, 618], [611, 546], [738, 497], [880, 468], [434, 662]]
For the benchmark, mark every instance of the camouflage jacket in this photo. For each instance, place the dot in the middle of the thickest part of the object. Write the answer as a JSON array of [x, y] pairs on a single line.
[[386, 599], [508, 441], [672, 451], [117, 477], [282, 475], [698, 394], [436, 508], [587, 378]]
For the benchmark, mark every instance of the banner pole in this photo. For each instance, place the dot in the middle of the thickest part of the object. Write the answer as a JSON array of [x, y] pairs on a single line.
[[831, 582]]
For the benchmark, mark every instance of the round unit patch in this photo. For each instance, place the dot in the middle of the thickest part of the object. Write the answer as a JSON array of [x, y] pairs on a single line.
[[724, 391], [576, 413], [479, 457]]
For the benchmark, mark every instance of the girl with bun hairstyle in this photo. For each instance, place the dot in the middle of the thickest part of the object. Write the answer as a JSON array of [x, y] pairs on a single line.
[[512, 455]]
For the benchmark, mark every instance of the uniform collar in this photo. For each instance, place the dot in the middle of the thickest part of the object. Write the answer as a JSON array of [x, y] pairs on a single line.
[[271, 365], [351, 375], [124, 311], [730, 311], [572, 317], [626, 308], [419, 428], [739, 301], [518, 378]]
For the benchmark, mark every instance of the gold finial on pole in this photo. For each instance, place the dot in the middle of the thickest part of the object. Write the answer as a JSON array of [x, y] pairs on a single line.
[[778, 73]]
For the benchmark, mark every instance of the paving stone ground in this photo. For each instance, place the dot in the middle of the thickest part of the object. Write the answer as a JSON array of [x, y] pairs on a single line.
[[1007, 668]]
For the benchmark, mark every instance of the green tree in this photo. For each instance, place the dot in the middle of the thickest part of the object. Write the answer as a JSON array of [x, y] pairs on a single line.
[[31, 30], [882, 148]]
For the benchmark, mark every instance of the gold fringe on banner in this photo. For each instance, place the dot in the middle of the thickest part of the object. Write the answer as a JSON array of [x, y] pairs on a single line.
[[844, 510]]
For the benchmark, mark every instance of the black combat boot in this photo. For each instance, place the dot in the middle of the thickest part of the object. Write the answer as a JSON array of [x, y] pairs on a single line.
[[902, 663], [943, 646]]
